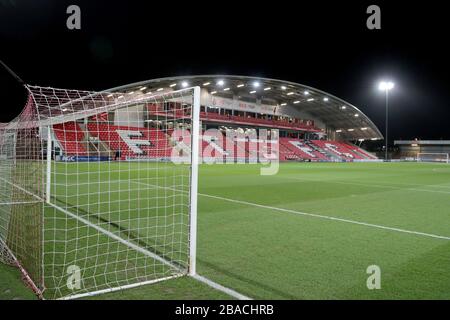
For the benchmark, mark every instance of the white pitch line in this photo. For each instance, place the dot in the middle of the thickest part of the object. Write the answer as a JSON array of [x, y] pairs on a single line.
[[116, 237], [314, 215], [441, 185], [220, 287], [198, 277], [366, 185], [18, 203], [114, 289], [430, 235], [22, 189]]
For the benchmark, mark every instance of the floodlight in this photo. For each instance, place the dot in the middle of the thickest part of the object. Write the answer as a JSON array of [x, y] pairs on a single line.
[[386, 85]]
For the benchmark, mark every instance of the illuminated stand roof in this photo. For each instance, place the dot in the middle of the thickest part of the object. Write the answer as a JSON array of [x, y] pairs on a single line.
[[289, 98]]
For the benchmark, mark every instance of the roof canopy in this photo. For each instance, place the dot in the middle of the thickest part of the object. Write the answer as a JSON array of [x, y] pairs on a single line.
[[347, 120]]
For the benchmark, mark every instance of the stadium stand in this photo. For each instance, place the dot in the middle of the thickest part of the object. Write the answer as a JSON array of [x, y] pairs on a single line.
[[236, 117], [71, 138], [135, 142], [132, 142]]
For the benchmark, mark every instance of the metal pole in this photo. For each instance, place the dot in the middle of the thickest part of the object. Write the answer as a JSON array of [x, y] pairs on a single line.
[[49, 165], [387, 124], [195, 134]]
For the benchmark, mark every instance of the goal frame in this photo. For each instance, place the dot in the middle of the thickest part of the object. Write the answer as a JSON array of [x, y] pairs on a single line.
[[447, 156], [194, 159], [42, 127]]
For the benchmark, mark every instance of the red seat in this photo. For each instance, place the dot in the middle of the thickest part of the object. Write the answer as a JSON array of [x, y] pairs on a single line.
[[108, 133], [70, 137]]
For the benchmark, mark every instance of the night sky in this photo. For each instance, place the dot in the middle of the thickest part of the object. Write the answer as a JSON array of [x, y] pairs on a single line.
[[325, 45]]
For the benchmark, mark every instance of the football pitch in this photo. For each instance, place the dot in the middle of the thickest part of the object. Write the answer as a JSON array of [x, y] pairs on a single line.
[[308, 232]]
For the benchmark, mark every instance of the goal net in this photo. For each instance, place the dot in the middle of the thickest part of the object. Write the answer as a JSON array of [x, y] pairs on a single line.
[[433, 157], [98, 190]]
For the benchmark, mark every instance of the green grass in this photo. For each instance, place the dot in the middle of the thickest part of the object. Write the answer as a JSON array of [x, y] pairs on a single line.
[[271, 237], [11, 287]]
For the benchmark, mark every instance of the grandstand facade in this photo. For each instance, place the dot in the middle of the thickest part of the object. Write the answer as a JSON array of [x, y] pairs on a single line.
[[241, 119], [410, 149]]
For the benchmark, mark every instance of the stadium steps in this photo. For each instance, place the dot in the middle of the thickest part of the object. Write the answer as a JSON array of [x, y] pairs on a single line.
[[324, 153], [363, 153], [95, 146], [332, 153], [71, 138]]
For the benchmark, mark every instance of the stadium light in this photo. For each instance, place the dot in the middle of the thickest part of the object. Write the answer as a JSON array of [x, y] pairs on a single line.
[[213, 92], [283, 88], [339, 130], [160, 89], [253, 91], [343, 107], [283, 104], [267, 88], [226, 89], [290, 93], [256, 84], [310, 99], [383, 85], [240, 85], [206, 84], [173, 85], [325, 99], [297, 101], [386, 86], [220, 83], [306, 92], [143, 88], [184, 84]]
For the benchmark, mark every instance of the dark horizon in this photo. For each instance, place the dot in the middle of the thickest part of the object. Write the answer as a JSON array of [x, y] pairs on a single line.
[[325, 45]]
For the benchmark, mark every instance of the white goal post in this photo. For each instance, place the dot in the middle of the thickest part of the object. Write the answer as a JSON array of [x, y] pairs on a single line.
[[95, 195], [433, 157]]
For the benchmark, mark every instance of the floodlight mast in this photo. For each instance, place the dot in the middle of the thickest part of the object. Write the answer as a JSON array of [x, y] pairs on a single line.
[[386, 86]]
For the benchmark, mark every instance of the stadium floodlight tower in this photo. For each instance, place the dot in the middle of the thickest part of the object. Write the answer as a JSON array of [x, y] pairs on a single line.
[[386, 86]]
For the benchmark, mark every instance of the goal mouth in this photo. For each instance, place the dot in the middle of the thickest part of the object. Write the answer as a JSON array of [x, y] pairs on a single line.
[[90, 201], [435, 157]]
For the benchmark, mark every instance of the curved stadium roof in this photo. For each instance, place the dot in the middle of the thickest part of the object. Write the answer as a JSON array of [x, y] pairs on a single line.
[[345, 119]]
